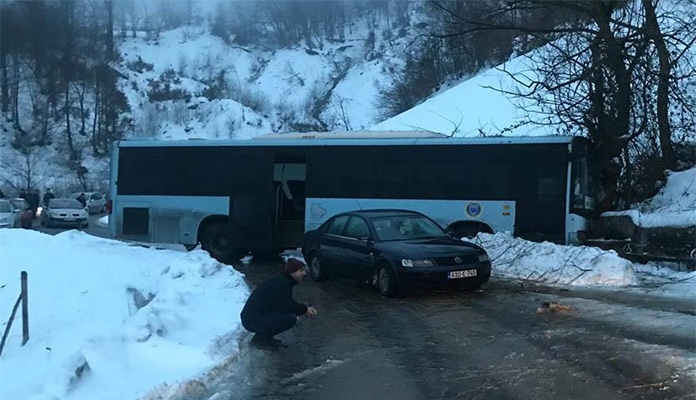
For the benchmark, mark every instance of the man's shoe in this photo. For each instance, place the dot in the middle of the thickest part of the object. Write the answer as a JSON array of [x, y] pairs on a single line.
[[264, 343]]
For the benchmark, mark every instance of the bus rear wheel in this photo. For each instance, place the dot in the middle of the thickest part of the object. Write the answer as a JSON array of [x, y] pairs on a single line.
[[217, 240]]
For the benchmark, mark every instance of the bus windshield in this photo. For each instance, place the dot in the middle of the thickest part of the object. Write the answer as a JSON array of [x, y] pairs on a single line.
[[585, 193]]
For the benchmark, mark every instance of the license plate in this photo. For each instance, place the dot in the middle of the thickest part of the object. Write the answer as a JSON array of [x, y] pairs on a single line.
[[69, 220], [468, 273]]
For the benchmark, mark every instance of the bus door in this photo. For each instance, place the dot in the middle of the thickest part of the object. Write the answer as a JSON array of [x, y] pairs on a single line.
[[251, 207], [289, 199]]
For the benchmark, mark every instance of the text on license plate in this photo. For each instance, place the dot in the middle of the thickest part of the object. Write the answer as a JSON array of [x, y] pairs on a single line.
[[461, 274]]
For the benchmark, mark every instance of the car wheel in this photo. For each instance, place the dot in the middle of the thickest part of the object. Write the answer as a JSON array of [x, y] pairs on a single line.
[[217, 240], [386, 281], [316, 269]]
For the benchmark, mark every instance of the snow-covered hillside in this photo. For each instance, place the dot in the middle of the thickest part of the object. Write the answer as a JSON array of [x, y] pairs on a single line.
[[220, 91]]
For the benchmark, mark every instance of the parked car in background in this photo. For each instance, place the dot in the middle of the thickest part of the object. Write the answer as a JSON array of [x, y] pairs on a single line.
[[94, 201], [19, 206], [62, 212], [395, 249], [7, 216]]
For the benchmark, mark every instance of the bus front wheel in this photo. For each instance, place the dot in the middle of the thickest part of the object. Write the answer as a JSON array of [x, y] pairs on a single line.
[[217, 240]]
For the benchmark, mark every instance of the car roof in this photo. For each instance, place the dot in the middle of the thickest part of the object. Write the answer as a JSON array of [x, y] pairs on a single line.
[[378, 213]]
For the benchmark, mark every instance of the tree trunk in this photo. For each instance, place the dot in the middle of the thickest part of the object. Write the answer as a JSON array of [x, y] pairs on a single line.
[[5, 84], [109, 30], [652, 30], [67, 60]]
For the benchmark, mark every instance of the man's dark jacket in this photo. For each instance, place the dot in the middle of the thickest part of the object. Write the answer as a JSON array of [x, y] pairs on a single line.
[[273, 295]]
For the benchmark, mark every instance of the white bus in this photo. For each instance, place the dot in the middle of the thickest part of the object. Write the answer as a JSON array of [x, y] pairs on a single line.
[[262, 194]]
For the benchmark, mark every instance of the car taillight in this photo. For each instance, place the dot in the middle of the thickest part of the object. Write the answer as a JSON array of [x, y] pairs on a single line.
[[109, 204]]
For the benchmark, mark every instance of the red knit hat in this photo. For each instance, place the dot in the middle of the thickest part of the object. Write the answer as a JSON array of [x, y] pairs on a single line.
[[293, 265]]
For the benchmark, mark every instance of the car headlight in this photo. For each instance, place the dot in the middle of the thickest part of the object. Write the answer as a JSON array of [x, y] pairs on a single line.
[[483, 257], [407, 262]]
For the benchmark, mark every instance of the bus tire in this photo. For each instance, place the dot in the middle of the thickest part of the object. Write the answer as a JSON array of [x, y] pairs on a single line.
[[317, 269], [386, 281], [217, 240]]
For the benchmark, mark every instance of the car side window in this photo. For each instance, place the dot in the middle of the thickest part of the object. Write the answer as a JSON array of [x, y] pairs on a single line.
[[357, 228], [337, 225], [96, 196]]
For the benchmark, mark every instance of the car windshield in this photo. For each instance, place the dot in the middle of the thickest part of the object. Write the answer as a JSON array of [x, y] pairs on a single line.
[[5, 207], [406, 227], [65, 203]]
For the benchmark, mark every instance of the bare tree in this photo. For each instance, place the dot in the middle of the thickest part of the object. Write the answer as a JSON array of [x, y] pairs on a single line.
[[595, 73]]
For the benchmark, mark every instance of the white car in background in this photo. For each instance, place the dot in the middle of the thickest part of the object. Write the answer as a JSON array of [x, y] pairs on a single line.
[[7, 215], [64, 213], [94, 201]]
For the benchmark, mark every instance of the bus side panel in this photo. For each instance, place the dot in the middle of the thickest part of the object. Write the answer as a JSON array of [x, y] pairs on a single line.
[[183, 184], [444, 212], [533, 176], [170, 219]]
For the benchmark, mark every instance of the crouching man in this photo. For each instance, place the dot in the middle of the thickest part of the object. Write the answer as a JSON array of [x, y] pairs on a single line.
[[271, 308]]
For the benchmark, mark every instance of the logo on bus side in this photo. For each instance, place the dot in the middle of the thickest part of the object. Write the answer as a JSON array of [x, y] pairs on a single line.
[[473, 209], [317, 211]]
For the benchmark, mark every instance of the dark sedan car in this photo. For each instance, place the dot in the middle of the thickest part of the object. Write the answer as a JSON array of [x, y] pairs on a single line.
[[393, 248]]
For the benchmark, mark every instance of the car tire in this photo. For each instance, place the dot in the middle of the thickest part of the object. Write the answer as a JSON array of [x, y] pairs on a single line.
[[217, 240], [316, 269], [386, 281]]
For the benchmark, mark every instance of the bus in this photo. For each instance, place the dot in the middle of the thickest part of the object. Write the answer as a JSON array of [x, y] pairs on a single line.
[[238, 196]]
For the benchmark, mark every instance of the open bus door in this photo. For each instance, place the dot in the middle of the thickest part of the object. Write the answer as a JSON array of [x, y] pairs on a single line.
[[289, 178]]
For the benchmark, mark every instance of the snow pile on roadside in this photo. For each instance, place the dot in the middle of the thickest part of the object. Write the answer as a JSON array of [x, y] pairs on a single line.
[[674, 205], [659, 279], [113, 321], [555, 264]]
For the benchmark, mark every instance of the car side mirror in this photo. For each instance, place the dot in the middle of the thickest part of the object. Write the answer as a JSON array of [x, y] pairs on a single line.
[[450, 231]]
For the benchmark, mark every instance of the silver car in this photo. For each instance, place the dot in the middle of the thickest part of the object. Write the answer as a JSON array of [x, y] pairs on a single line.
[[64, 213], [7, 216], [94, 201]]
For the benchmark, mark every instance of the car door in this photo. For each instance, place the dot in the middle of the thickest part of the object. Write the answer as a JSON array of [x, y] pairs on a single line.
[[331, 243], [358, 248]]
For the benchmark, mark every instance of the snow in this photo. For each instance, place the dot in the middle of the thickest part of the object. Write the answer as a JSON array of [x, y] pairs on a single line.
[[674, 205], [88, 305], [663, 280], [478, 106], [555, 264]]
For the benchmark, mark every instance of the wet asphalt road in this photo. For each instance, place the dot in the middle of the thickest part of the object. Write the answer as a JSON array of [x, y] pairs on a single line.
[[448, 344]]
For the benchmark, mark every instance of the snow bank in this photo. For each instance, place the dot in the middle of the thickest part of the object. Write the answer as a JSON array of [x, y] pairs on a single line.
[[556, 264], [111, 321]]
